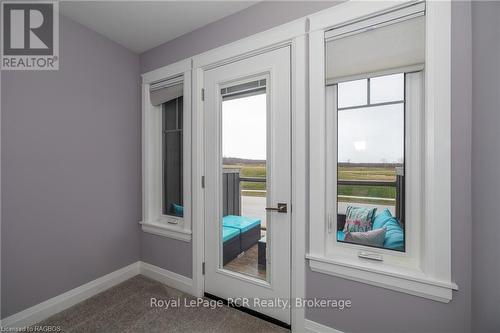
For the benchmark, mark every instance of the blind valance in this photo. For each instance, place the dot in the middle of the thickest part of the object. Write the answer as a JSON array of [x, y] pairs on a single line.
[[166, 90], [375, 46]]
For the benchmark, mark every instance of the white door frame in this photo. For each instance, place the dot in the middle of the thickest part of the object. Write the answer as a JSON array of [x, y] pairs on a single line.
[[292, 34]]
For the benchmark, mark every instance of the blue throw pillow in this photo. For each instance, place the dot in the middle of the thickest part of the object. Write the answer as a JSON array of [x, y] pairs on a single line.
[[381, 219], [394, 236], [178, 210]]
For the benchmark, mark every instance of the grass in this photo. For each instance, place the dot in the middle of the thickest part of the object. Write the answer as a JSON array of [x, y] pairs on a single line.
[[344, 173], [253, 170], [367, 173]]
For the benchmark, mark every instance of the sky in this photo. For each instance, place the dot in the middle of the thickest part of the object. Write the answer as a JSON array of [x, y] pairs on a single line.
[[365, 135], [244, 127], [371, 135]]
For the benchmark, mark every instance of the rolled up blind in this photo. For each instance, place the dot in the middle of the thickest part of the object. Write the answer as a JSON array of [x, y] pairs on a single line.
[[376, 45], [166, 90], [244, 90]]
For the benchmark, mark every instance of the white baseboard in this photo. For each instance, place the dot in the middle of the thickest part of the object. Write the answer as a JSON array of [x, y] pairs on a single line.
[[61, 302], [169, 278], [314, 327], [41, 311]]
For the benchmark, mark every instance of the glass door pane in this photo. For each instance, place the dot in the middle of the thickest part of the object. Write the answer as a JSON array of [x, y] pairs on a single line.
[[244, 185]]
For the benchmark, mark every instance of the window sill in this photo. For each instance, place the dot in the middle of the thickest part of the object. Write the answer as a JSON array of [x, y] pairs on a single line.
[[170, 231], [376, 273]]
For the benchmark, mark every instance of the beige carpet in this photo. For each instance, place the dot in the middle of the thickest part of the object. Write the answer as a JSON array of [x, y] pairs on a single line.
[[126, 308]]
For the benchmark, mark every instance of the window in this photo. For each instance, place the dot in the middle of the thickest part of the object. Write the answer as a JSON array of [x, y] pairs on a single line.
[[172, 157], [166, 149], [244, 176], [374, 76], [380, 138], [370, 161]]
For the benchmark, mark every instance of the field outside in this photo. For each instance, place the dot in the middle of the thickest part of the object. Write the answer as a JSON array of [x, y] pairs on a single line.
[[374, 173], [386, 173]]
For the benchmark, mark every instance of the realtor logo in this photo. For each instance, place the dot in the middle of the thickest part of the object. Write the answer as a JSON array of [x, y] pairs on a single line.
[[30, 35]]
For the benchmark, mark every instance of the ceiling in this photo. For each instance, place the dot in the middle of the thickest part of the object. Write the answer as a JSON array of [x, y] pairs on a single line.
[[142, 25]]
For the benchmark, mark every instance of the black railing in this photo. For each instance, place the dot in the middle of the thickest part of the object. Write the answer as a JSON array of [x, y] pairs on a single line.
[[398, 184], [253, 179], [232, 190]]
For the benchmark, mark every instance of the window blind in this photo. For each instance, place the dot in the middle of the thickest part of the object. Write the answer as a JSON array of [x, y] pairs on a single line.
[[166, 90], [244, 90], [392, 41]]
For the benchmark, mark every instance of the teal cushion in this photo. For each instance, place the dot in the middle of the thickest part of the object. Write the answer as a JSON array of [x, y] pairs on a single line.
[[394, 236], [178, 210], [229, 233], [242, 223], [381, 219], [340, 235]]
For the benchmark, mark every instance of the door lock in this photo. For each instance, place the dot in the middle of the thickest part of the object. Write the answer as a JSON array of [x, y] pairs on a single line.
[[282, 208]]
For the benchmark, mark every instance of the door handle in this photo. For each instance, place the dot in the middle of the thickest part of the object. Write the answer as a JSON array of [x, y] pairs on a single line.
[[282, 208]]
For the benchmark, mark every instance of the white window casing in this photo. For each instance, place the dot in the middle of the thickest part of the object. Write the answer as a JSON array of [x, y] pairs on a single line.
[[424, 268], [159, 86]]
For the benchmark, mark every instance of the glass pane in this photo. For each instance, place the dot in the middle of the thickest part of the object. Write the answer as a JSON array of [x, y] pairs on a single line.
[[352, 93], [170, 114], [243, 225], [388, 88], [172, 158], [370, 176]]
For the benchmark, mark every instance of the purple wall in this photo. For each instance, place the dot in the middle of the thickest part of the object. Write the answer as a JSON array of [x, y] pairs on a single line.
[[70, 169], [171, 254], [485, 166]]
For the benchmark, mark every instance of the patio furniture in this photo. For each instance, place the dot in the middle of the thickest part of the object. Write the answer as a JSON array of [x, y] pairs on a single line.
[[249, 229]]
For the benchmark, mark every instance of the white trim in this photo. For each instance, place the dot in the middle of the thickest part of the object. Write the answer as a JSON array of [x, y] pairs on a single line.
[[198, 197], [314, 327], [407, 281], [162, 73], [299, 177], [61, 302], [0, 203], [408, 12], [429, 276], [170, 232], [351, 11], [255, 44], [54, 305], [317, 143], [171, 279], [437, 141]]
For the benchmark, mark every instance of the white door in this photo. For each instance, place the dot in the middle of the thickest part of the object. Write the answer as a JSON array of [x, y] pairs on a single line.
[[247, 168]]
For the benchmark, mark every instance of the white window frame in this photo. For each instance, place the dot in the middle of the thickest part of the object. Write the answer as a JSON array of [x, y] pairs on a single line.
[[413, 177], [153, 219], [425, 270]]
